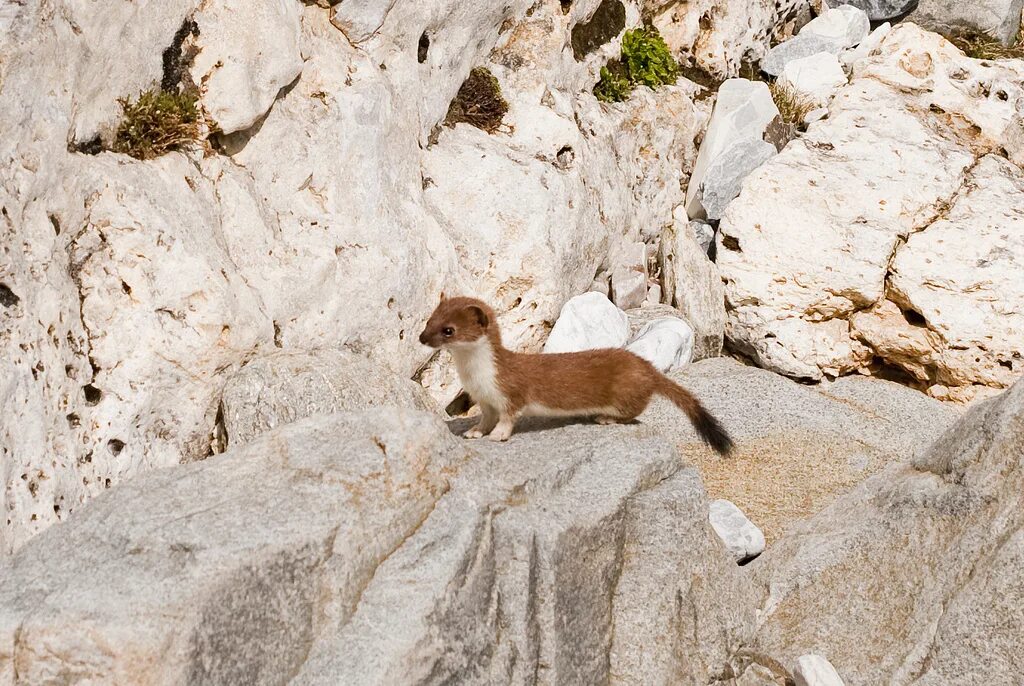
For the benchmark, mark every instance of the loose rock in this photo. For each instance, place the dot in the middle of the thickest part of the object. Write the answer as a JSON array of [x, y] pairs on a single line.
[[997, 18], [724, 177], [587, 322], [814, 670], [742, 112], [816, 78], [667, 343], [741, 536]]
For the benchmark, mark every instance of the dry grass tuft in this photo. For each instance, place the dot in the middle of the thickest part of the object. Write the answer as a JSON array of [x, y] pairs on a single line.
[[982, 47], [478, 102], [157, 122], [793, 107]]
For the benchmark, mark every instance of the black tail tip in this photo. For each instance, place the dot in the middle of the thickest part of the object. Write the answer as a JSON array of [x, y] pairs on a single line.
[[713, 433]]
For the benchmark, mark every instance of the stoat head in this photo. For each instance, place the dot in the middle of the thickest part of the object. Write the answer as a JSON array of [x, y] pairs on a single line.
[[457, 321]]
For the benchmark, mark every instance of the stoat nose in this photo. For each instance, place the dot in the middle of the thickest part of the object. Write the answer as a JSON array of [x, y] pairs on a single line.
[[423, 338]]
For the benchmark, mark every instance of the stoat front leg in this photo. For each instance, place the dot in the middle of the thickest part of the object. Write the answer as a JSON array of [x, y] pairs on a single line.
[[503, 430], [486, 424]]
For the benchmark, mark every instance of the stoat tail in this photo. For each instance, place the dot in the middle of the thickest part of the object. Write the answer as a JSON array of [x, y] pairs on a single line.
[[710, 431]]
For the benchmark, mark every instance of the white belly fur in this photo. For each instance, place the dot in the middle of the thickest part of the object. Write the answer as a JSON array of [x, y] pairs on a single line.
[[535, 410], [478, 373]]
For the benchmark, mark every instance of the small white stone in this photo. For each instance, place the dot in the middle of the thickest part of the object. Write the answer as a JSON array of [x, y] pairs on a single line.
[[867, 46], [667, 343], [814, 670], [587, 322], [629, 278], [653, 294], [816, 114], [741, 536], [846, 25], [817, 77]]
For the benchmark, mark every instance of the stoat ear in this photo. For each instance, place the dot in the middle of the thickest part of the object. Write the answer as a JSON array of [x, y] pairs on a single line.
[[481, 316], [442, 296]]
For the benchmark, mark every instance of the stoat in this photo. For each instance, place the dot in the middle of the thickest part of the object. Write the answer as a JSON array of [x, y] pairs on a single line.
[[613, 385]]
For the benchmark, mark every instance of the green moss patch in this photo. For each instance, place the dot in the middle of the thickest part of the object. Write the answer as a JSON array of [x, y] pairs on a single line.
[[645, 61], [157, 122], [478, 102]]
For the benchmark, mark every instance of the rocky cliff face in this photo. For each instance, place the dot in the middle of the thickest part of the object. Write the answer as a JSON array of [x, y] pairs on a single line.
[[209, 363]]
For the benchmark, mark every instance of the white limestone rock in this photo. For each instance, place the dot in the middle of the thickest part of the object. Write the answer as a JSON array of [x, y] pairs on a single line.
[[845, 25], [867, 47], [960, 279], [790, 307], [832, 32], [721, 34], [742, 112], [693, 284], [741, 536], [587, 322], [815, 670], [724, 177], [667, 343], [816, 78], [629, 277], [248, 52], [138, 288]]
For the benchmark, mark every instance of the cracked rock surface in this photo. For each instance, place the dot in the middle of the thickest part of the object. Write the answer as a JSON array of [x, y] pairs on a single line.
[[914, 576], [894, 203], [377, 548], [330, 214]]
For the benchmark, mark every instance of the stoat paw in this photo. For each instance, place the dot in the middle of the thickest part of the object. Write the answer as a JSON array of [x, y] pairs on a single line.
[[605, 421], [474, 433], [500, 436]]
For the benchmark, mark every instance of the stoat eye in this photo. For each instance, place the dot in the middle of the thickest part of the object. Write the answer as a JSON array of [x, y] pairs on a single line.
[[448, 332]]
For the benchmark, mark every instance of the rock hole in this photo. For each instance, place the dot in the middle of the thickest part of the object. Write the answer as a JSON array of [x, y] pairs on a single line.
[[460, 405], [401, 335], [126, 288], [607, 22], [55, 223], [566, 6], [92, 394], [1002, 95], [56, 510], [115, 446], [106, 483], [731, 243], [517, 302], [422, 48], [391, 303], [277, 336], [74, 421], [92, 146], [1006, 364], [564, 157], [8, 298], [914, 318]]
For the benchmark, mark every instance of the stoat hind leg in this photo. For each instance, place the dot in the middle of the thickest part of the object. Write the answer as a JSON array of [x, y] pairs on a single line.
[[486, 424], [606, 419]]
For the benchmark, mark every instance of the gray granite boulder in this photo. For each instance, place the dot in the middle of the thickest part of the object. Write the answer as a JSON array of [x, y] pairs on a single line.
[[282, 387], [913, 577], [881, 10], [997, 18], [378, 548]]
